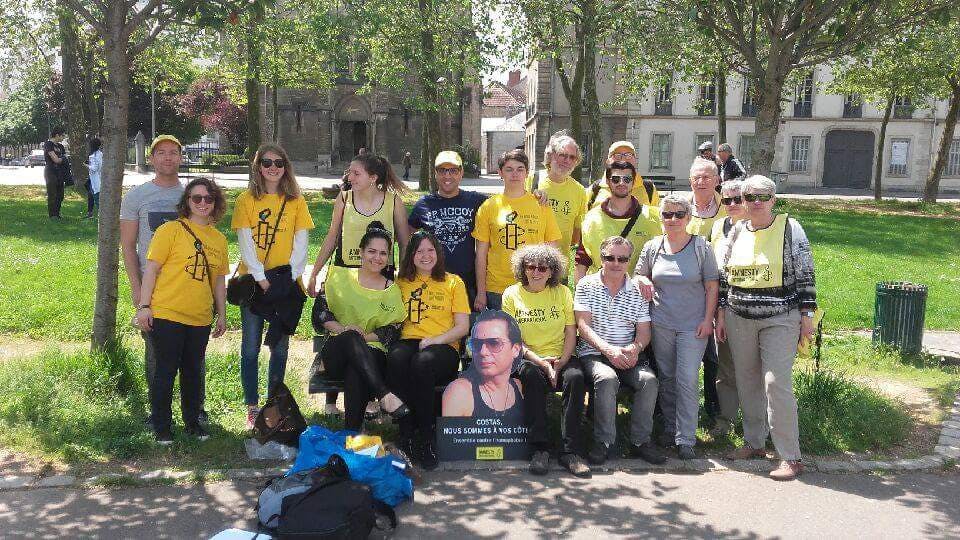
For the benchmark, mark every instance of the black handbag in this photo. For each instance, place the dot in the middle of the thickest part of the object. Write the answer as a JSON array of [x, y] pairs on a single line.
[[241, 290], [280, 418]]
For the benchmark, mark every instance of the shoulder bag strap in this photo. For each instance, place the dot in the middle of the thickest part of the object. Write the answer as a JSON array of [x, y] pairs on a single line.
[[206, 262], [633, 220], [276, 225]]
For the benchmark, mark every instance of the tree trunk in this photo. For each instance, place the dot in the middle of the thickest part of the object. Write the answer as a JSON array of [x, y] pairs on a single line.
[[878, 168], [721, 82], [116, 107], [769, 90], [592, 105], [435, 140], [252, 82], [73, 98], [932, 187], [425, 159], [276, 114]]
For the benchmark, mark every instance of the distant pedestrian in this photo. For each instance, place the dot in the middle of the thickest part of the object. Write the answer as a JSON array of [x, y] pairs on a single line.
[[407, 163], [731, 168], [54, 156], [95, 165]]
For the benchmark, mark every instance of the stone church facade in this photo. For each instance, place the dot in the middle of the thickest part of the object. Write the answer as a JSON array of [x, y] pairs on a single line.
[[323, 130]]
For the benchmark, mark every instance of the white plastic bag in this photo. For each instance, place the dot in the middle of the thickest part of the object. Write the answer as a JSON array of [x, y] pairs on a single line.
[[271, 450]]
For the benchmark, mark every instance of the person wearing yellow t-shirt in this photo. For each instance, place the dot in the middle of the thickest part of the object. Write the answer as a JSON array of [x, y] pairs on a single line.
[[361, 309], [427, 354], [183, 284], [505, 223], [644, 190], [565, 195], [273, 226], [543, 307]]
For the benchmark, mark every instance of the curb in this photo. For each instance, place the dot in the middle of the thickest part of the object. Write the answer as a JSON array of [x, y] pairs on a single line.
[[945, 454]]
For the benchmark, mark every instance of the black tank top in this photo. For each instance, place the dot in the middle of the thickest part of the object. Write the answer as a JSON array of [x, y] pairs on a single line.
[[511, 416]]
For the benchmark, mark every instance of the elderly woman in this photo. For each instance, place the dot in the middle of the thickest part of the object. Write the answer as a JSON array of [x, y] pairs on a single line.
[[768, 297], [543, 307], [679, 273]]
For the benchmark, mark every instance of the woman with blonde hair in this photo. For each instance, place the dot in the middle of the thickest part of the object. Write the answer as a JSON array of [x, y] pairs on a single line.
[[273, 224]]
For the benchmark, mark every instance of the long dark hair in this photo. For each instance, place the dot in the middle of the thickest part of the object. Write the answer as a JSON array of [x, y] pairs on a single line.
[[408, 270], [379, 166], [95, 144], [375, 230]]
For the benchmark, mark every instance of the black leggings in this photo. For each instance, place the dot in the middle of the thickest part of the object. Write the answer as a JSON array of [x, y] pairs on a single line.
[[178, 347], [348, 357], [536, 385], [413, 373], [54, 191]]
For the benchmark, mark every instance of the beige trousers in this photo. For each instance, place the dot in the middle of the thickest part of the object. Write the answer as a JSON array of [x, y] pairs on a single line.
[[763, 354], [727, 384]]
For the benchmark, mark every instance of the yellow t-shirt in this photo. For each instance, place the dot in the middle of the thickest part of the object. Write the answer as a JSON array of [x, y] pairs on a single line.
[[260, 216], [542, 316], [702, 226], [507, 225], [355, 305], [568, 201], [639, 191], [182, 293], [597, 226], [430, 305]]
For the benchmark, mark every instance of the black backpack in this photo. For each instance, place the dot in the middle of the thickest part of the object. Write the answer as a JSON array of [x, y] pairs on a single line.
[[321, 503], [280, 418]]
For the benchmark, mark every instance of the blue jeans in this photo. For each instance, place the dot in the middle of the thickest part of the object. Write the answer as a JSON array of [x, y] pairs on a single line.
[[252, 338]]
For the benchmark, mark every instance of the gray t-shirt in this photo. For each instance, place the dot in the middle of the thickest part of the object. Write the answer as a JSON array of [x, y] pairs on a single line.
[[151, 206], [679, 301]]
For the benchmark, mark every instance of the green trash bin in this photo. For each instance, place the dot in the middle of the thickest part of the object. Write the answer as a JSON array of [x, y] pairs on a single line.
[[898, 315]]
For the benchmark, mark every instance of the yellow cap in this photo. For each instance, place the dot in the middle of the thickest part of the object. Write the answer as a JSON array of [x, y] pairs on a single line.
[[448, 157], [621, 144], [160, 139]]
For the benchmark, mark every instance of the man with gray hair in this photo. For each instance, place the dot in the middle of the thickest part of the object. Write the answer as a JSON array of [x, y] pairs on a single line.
[[564, 194], [614, 323], [731, 168]]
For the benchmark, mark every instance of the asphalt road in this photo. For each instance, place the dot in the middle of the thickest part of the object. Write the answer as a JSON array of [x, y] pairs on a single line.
[[516, 505]]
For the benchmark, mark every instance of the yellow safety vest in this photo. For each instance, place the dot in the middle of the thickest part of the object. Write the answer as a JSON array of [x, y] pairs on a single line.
[[702, 226], [597, 226], [355, 305], [354, 226], [756, 257]]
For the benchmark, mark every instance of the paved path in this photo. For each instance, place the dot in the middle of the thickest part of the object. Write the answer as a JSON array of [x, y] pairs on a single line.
[[513, 504]]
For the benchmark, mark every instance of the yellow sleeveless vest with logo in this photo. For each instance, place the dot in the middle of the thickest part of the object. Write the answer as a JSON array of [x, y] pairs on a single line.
[[756, 257], [355, 226]]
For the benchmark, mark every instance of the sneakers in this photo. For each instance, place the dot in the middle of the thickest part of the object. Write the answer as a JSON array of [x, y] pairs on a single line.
[[685, 451], [331, 409], [745, 452], [540, 463], [666, 440], [647, 452], [252, 413], [197, 432], [788, 470], [163, 437], [373, 410], [575, 465], [598, 454]]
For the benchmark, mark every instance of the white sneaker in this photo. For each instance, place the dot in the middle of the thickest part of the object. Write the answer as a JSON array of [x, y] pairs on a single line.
[[331, 409]]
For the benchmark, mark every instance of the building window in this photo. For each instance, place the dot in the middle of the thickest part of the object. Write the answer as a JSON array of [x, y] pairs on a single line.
[[707, 100], [661, 148], [899, 156], [702, 138], [803, 98], [749, 107], [903, 107], [748, 142], [799, 154], [953, 159], [664, 103], [852, 106]]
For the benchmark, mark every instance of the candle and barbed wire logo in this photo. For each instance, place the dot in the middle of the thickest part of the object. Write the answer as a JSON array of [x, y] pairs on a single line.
[[416, 306], [264, 233], [511, 232], [197, 266]]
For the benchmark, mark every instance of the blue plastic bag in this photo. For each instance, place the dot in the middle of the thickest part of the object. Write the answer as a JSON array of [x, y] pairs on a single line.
[[387, 482]]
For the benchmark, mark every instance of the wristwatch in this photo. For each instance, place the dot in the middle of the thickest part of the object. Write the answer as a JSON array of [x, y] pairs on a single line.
[[807, 314], [143, 306]]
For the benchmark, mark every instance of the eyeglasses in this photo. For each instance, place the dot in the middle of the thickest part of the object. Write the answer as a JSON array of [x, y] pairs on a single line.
[[611, 258], [621, 180], [679, 214], [494, 345], [537, 267], [726, 201], [571, 157], [753, 197], [205, 198], [447, 170], [279, 163], [623, 155]]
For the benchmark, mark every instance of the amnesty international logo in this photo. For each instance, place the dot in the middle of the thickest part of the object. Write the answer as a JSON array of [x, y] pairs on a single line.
[[510, 233], [197, 266], [416, 306], [264, 233]]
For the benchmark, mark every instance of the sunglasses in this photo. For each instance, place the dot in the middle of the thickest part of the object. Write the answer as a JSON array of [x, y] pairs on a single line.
[[279, 163], [615, 180], [611, 258], [679, 214], [494, 345], [204, 198], [447, 170], [623, 155], [726, 201], [753, 197], [537, 267]]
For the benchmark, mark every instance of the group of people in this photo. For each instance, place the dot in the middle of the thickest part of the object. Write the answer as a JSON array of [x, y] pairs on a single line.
[[57, 174], [660, 285]]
